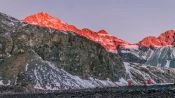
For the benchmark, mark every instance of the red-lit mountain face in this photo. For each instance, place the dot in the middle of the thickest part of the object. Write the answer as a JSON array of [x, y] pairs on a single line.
[[110, 43], [165, 39]]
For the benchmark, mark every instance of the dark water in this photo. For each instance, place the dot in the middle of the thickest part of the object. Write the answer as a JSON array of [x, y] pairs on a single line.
[[118, 92]]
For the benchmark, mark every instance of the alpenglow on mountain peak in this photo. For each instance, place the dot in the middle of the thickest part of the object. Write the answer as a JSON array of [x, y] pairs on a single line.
[[110, 43], [102, 37]]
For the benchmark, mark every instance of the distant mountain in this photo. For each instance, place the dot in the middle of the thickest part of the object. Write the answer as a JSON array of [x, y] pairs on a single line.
[[165, 39]]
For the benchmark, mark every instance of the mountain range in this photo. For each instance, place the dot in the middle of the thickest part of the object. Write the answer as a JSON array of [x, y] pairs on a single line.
[[110, 43], [43, 52]]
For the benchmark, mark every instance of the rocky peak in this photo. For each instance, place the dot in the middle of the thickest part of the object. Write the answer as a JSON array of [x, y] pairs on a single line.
[[102, 32], [44, 19], [109, 42], [165, 39]]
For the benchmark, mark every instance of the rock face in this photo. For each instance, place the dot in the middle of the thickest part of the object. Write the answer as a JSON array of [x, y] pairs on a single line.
[[35, 57], [110, 43], [149, 63]]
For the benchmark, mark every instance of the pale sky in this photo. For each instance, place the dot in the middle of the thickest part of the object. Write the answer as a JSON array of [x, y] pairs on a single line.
[[130, 20]]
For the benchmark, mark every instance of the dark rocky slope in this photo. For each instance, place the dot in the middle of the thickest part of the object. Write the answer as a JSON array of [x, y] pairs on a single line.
[[44, 58]]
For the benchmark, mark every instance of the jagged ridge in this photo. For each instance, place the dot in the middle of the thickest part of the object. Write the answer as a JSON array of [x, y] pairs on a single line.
[[109, 42], [102, 37], [165, 39]]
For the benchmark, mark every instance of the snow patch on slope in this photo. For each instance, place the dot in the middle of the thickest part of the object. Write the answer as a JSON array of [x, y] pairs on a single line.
[[5, 84], [167, 63], [48, 76], [140, 74]]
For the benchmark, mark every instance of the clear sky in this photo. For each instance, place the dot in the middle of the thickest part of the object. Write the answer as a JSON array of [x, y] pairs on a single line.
[[130, 20]]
